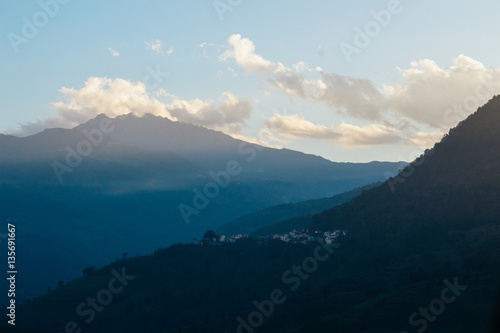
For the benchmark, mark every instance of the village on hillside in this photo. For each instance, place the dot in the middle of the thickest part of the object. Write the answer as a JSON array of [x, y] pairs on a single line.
[[294, 236]]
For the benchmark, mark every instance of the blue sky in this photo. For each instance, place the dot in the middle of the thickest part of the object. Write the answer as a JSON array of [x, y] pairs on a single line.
[[272, 72]]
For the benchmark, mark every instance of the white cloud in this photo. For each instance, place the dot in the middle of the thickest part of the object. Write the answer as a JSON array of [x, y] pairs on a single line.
[[369, 135], [115, 97], [243, 51], [356, 97], [113, 52], [428, 96], [427, 139], [155, 45], [229, 116], [295, 127], [300, 66], [428, 93], [104, 95], [204, 46]]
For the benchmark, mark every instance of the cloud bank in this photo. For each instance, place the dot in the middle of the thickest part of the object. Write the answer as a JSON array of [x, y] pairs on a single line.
[[294, 127], [115, 97], [418, 110], [429, 97]]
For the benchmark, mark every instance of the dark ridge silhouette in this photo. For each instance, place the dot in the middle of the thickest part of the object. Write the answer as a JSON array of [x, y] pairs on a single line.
[[495, 317]]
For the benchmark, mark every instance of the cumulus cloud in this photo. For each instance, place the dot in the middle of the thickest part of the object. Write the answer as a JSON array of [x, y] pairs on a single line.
[[428, 92], [104, 95], [294, 127], [115, 97], [426, 139], [428, 96], [243, 51], [228, 116], [356, 97], [113, 52]]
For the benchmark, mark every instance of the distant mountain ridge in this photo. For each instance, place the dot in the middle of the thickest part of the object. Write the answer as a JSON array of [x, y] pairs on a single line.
[[211, 150], [83, 196], [159, 133]]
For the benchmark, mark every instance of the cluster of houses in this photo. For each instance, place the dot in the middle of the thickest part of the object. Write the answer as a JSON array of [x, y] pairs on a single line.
[[305, 237], [293, 236]]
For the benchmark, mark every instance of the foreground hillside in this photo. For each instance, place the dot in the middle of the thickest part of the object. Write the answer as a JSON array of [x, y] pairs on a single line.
[[453, 188], [206, 288]]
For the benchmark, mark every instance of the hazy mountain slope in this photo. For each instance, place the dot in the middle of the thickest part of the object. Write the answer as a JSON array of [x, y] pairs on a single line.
[[31, 159], [212, 150], [193, 142], [252, 222]]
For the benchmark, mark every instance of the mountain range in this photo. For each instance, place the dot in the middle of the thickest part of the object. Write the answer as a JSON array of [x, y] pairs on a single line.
[[84, 196], [420, 252]]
